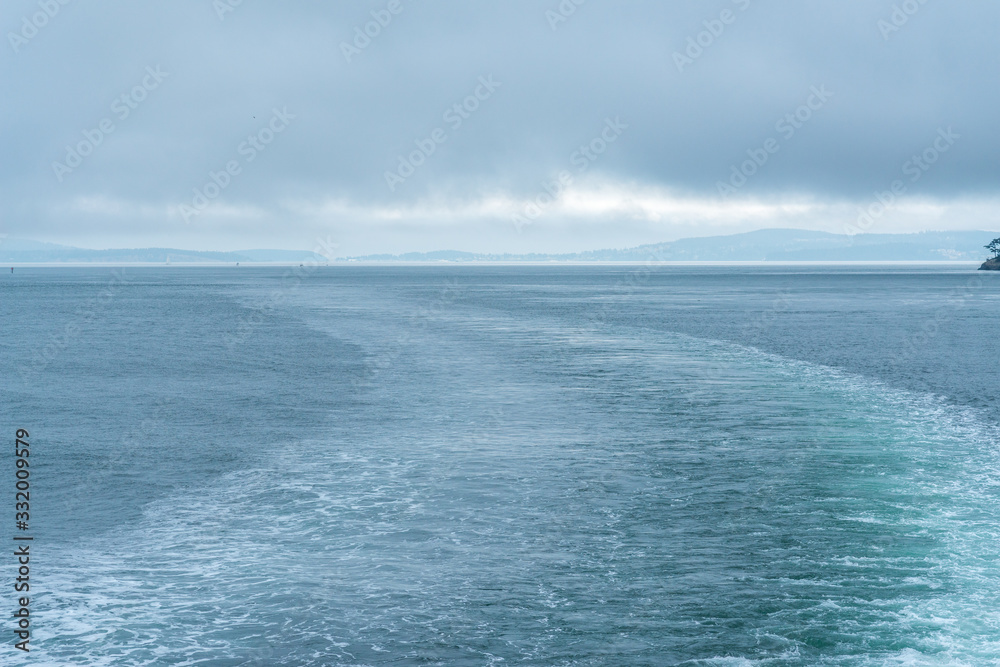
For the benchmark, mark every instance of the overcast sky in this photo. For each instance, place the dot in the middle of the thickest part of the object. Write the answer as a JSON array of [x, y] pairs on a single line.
[[228, 125]]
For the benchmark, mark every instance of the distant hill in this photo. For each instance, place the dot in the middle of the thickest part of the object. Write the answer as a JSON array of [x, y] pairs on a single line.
[[765, 245], [15, 251]]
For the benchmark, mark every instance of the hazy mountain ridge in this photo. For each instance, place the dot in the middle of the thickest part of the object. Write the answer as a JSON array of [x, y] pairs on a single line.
[[17, 251], [763, 245], [776, 245]]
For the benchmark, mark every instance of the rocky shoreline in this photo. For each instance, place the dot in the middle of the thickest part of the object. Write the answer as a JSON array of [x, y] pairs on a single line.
[[991, 265]]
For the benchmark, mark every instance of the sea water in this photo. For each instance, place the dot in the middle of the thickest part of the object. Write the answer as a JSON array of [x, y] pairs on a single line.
[[631, 465]]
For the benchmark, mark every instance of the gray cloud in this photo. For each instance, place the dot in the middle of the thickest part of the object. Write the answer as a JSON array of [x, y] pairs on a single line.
[[892, 91]]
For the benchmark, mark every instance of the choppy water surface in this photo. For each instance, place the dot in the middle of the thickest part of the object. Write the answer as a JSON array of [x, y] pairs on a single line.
[[516, 465]]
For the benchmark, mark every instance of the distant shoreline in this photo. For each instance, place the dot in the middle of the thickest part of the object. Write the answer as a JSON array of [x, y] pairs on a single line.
[[770, 246], [449, 263]]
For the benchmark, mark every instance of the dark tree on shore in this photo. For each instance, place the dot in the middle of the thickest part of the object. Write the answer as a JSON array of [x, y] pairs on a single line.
[[994, 247]]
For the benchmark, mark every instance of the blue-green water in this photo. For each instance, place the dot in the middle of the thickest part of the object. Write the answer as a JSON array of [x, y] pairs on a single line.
[[499, 466]]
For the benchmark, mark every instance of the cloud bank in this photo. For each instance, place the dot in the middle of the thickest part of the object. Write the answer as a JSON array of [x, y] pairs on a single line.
[[398, 125]]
